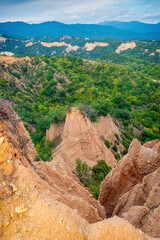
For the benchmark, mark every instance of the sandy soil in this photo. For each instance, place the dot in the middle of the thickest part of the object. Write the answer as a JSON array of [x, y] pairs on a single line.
[[65, 37], [91, 46], [7, 53], [125, 46], [10, 60], [60, 44], [2, 39], [29, 44]]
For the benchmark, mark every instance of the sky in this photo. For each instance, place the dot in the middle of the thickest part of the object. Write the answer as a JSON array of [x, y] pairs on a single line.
[[79, 11]]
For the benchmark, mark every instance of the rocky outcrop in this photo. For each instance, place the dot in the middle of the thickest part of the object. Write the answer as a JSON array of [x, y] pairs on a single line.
[[45, 200], [132, 190], [81, 141]]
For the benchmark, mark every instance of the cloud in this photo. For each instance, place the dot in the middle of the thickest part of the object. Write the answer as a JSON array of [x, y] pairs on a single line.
[[72, 11]]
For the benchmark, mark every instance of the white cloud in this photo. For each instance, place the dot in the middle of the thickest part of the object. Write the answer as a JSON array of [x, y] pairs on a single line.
[[72, 11]]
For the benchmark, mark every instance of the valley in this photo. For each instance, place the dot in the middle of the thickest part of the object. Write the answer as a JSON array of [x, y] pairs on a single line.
[[79, 131], [42, 89]]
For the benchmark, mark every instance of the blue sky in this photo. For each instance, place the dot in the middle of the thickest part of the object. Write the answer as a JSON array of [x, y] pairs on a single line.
[[81, 11]]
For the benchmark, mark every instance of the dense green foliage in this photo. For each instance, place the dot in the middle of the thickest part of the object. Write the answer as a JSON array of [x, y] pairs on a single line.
[[92, 177], [44, 88], [145, 66]]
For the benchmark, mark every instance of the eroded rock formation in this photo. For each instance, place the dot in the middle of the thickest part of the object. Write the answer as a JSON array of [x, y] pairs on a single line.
[[45, 200], [54, 131], [132, 189], [81, 141], [107, 129]]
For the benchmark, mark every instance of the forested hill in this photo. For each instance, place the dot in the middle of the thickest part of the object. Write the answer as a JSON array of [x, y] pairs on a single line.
[[81, 47], [53, 29], [44, 88]]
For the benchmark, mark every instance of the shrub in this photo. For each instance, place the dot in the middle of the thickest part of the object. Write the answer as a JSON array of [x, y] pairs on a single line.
[[102, 107], [147, 135], [57, 115], [37, 158], [92, 178], [100, 170], [43, 124], [115, 148], [125, 151], [126, 143], [122, 113], [117, 156], [107, 143], [89, 111], [82, 170]]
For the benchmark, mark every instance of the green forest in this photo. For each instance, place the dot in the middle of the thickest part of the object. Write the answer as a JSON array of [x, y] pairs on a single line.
[[44, 88]]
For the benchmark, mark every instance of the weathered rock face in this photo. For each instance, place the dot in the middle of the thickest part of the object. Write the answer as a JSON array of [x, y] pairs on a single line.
[[144, 214], [81, 140], [67, 189], [45, 200], [107, 129], [134, 185], [54, 131]]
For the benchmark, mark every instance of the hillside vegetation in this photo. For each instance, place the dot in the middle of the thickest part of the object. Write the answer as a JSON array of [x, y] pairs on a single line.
[[44, 88], [90, 48]]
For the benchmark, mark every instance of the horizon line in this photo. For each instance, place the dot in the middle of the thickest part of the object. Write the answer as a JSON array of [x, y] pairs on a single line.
[[76, 22]]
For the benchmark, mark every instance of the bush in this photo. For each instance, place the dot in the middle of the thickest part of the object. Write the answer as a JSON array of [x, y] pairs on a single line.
[[57, 115], [122, 113], [43, 124], [89, 111], [102, 107], [115, 148], [126, 143], [147, 135], [100, 170], [117, 156], [92, 178], [37, 158], [107, 143], [82, 170]]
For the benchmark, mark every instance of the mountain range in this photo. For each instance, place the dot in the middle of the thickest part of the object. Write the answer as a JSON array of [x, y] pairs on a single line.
[[119, 30], [133, 26]]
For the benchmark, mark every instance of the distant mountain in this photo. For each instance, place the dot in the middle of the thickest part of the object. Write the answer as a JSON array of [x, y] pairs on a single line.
[[133, 26], [53, 29]]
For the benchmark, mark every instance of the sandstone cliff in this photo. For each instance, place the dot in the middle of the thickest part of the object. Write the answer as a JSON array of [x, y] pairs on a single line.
[[81, 140], [132, 190]]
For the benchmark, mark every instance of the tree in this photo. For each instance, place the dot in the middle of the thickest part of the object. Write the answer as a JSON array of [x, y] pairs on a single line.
[[82, 170], [100, 170]]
